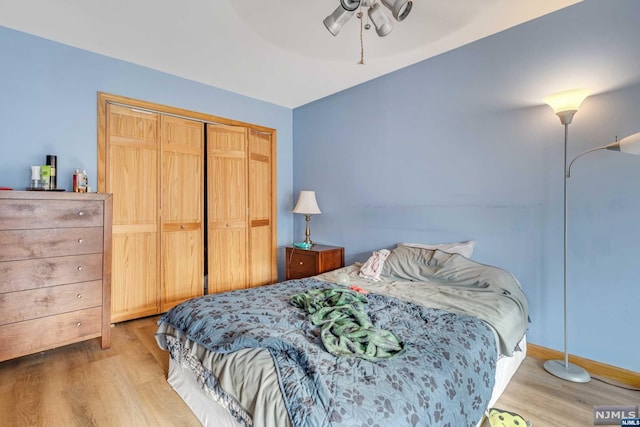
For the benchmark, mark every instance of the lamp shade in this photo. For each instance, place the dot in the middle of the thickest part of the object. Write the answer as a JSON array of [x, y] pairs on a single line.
[[568, 100], [307, 204], [629, 145]]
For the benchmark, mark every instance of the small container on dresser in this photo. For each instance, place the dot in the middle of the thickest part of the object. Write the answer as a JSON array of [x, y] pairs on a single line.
[[55, 270], [309, 262]]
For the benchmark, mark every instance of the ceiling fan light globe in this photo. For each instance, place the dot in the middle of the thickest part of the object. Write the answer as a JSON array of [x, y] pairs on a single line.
[[403, 10], [337, 19], [399, 8], [350, 5], [380, 20]]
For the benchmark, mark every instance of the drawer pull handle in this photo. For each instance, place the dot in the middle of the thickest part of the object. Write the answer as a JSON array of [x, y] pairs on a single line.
[[182, 226], [81, 213], [79, 268], [80, 240], [79, 296], [79, 324], [301, 262]]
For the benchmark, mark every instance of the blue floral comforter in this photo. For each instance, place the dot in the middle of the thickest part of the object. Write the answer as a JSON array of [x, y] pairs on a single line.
[[444, 376]]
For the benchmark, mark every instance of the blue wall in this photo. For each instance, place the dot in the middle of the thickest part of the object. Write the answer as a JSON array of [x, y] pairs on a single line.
[[460, 147], [48, 105]]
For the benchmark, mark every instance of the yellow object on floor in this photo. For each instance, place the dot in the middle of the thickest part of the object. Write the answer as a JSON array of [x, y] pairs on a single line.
[[501, 418]]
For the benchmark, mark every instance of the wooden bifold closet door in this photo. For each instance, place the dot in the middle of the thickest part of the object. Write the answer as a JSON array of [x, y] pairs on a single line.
[[152, 159], [154, 169], [241, 249]]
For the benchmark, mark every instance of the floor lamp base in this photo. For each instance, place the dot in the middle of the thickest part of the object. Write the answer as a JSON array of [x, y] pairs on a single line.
[[571, 372]]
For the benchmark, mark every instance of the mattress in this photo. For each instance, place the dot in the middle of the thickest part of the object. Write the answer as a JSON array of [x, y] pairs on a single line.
[[450, 284]]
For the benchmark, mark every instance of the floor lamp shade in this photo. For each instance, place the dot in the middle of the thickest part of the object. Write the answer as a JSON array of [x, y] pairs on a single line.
[[307, 206], [629, 145], [565, 104]]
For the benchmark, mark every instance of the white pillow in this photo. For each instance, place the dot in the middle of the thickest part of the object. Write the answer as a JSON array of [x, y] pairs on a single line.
[[463, 248]]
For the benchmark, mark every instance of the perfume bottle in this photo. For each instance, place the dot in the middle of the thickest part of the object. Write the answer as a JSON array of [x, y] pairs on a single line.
[[45, 177], [77, 177], [35, 178], [80, 181], [84, 183], [53, 179]]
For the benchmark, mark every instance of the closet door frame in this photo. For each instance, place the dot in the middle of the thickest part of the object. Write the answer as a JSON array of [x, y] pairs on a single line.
[[105, 98]]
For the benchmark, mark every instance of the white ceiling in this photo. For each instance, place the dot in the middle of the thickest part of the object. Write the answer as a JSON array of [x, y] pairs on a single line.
[[275, 50]]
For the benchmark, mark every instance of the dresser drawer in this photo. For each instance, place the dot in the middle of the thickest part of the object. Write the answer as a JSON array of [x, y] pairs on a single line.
[[41, 334], [33, 214], [45, 272], [28, 244], [34, 303], [303, 263]]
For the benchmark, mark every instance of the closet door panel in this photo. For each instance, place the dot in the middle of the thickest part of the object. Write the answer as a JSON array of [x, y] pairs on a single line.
[[182, 210], [134, 259], [182, 188], [261, 262], [227, 258], [227, 207], [132, 127], [262, 265], [132, 179], [183, 277], [132, 165], [132, 173]]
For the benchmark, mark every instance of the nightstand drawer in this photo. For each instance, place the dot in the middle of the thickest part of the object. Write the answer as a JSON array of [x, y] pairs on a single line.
[[303, 263]]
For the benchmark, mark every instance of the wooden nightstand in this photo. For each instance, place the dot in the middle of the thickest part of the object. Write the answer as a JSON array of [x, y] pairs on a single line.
[[309, 262]]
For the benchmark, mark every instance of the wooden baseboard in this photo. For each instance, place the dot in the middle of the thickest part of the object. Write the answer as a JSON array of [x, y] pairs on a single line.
[[594, 368]]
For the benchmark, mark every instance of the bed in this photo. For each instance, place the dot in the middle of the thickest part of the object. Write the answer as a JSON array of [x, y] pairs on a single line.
[[433, 339]]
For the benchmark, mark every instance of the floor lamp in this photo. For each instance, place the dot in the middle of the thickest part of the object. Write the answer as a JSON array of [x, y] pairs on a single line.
[[565, 105]]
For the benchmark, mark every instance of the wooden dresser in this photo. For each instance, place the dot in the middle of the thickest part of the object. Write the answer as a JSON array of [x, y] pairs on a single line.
[[55, 270], [309, 262]]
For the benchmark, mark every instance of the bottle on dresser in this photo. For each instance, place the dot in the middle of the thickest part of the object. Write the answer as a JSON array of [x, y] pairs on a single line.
[[80, 181]]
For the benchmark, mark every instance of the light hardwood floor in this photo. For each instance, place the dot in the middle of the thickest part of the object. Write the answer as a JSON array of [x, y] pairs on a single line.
[[82, 385]]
